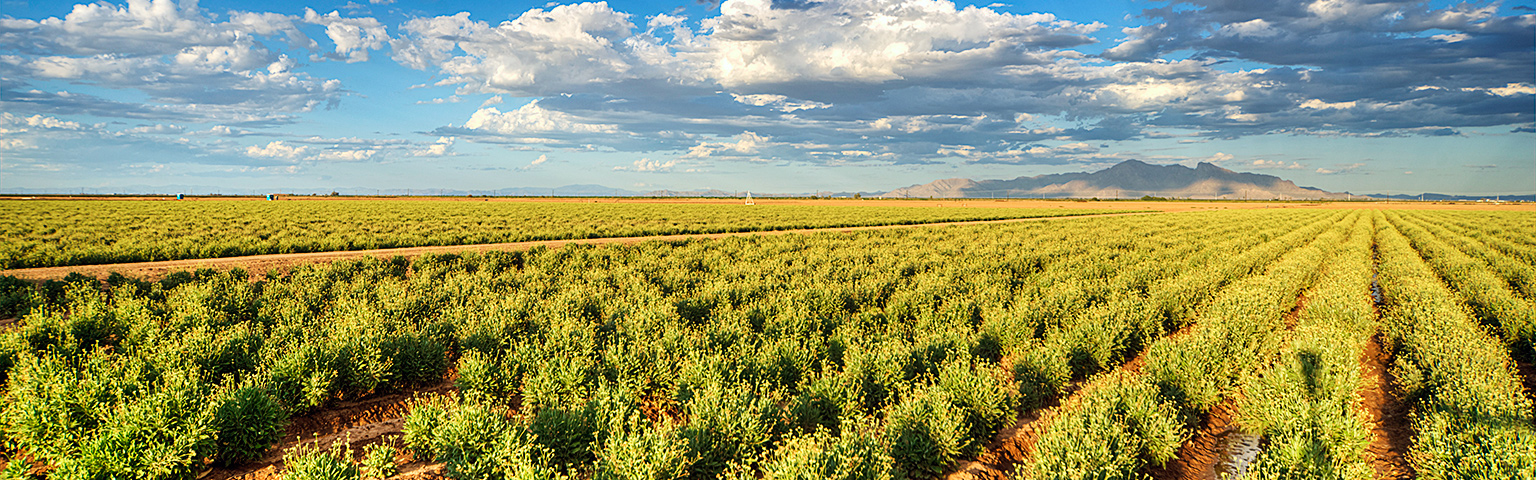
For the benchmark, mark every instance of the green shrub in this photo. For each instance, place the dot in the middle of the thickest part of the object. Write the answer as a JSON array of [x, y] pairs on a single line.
[[248, 421], [310, 462], [924, 434], [473, 440], [820, 455], [641, 452], [566, 433], [725, 424], [379, 460], [985, 403]]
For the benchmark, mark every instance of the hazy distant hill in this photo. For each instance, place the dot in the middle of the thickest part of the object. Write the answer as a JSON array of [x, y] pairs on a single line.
[[1129, 179], [1439, 197]]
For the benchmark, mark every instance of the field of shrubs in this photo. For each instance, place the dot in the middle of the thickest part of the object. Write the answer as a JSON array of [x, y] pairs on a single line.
[[49, 233], [1103, 348]]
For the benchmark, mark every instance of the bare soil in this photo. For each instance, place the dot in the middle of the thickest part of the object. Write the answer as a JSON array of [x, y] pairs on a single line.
[[1206, 452], [1391, 434]]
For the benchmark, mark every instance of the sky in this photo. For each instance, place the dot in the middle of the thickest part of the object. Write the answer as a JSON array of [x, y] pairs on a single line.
[[1367, 96]]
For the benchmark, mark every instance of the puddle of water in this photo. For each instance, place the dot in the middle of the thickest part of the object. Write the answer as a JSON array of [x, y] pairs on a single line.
[[1238, 451]]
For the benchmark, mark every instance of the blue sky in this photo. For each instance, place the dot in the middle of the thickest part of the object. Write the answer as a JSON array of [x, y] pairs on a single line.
[[765, 95]]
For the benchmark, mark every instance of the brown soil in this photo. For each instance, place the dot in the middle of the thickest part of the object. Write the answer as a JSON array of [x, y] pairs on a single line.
[[1527, 372], [1391, 434], [1200, 456], [357, 423], [258, 265]]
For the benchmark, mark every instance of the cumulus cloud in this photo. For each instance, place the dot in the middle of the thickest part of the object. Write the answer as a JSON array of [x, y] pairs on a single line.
[[648, 165], [190, 66], [536, 162], [910, 80], [1349, 168], [276, 149], [353, 37], [443, 146], [1262, 164], [855, 81]]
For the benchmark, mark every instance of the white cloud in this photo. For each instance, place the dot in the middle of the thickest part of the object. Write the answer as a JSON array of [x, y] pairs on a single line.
[[1340, 169], [531, 119], [10, 123], [1316, 104], [648, 165], [746, 144], [441, 147], [344, 155], [536, 162], [276, 149], [353, 37], [1262, 164], [162, 129]]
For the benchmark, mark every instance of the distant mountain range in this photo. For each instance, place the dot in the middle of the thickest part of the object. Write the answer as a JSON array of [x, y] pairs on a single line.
[[1128, 179]]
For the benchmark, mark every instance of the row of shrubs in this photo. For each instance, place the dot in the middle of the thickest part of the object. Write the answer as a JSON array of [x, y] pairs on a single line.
[[1306, 405], [1471, 417], [874, 354], [1125, 421], [47, 233]]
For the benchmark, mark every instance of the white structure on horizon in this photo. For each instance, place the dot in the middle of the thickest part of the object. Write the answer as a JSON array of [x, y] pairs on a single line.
[[749, 198]]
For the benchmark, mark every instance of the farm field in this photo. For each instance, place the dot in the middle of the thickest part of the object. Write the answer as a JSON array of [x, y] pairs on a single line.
[[1255, 343], [48, 233]]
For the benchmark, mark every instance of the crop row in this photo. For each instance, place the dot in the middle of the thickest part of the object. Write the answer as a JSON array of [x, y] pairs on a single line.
[[1306, 405], [41, 233], [1482, 288], [1471, 417], [1124, 421], [866, 355]]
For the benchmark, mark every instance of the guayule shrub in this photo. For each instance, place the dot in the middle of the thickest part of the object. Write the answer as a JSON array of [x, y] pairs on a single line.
[[639, 451], [482, 375], [566, 433], [379, 461], [311, 462], [474, 440], [725, 424], [248, 421], [924, 432], [985, 403], [857, 455]]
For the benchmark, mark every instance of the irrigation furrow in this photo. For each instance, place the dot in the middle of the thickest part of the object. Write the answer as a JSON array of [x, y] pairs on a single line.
[[1304, 405]]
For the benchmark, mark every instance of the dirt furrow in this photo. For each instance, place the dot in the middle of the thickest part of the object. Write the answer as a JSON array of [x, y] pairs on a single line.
[[1391, 434]]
